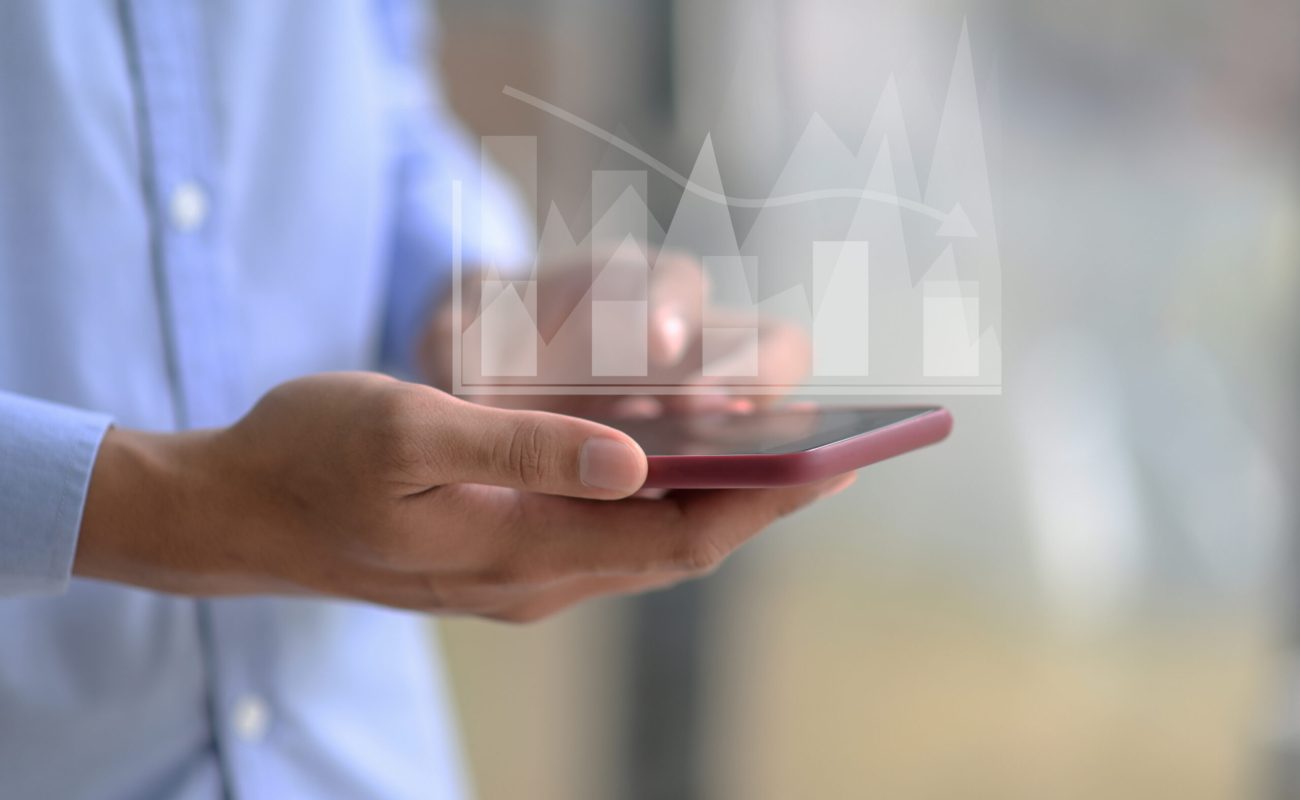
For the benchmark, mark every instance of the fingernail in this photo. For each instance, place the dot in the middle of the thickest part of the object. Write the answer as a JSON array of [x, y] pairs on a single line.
[[610, 464], [673, 330]]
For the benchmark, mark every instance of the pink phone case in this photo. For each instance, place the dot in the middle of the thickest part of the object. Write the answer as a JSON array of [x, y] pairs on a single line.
[[790, 469]]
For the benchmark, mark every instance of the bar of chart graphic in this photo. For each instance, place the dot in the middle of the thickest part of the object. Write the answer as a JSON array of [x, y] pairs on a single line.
[[619, 339], [841, 325], [950, 329], [518, 155], [509, 330], [730, 331], [620, 275]]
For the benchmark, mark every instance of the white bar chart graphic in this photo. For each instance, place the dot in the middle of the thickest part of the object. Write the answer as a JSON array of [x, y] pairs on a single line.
[[620, 274], [729, 335], [950, 329], [619, 341], [883, 316], [509, 330], [841, 324], [507, 309]]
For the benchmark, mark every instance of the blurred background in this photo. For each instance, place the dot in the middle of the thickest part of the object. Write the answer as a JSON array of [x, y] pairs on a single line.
[[1086, 591]]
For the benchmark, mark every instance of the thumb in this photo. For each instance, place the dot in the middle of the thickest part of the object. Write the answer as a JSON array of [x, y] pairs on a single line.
[[537, 452]]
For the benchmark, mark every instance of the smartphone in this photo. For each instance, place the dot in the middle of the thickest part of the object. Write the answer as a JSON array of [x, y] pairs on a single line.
[[780, 446]]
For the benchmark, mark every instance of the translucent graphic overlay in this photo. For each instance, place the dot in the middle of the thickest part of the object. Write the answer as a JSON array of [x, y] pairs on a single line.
[[897, 284]]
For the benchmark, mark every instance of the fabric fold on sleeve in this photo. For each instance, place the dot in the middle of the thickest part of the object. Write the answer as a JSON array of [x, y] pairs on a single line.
[[47, 452]]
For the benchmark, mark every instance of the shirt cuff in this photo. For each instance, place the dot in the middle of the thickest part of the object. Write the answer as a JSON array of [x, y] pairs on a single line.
[[47, 452]]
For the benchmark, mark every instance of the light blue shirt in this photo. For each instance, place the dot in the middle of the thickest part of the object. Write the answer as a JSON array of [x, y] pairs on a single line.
[[199, 200]]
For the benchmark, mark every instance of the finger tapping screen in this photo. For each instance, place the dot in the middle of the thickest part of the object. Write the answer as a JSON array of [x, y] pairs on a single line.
[[769, 432]]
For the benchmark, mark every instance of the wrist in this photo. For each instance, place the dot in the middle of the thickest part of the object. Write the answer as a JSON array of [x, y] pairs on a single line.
[[138, 509]]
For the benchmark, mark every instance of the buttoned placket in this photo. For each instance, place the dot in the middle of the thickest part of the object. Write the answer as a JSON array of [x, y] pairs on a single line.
[[198, 318]]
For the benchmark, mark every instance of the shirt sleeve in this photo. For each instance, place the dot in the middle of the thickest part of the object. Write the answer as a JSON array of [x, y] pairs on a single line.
[[46, 455], [435, 158]]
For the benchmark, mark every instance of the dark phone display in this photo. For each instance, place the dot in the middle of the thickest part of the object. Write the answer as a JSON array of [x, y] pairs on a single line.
[[769, 432]]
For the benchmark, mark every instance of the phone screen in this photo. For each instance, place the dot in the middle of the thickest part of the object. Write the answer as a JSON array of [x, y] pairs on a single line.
[[768, 432]]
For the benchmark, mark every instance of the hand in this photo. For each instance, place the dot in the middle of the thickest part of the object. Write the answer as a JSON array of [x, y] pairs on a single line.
[[677, 292], [357, 485]]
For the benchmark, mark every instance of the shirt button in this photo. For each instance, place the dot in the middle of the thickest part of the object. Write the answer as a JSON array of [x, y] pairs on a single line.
[[188, 206], [250, 718]]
